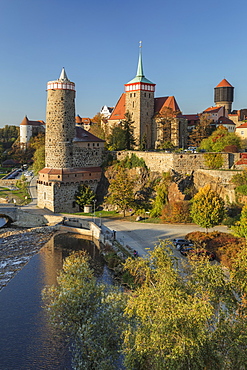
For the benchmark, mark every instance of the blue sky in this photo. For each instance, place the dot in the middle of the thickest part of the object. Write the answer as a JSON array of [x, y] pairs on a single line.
[[188, 48]]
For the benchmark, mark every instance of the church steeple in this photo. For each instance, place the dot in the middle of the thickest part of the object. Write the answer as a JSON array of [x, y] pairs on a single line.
[[140, 82]]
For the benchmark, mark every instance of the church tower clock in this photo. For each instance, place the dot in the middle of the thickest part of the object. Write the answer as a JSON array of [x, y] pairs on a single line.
[[140, 104]]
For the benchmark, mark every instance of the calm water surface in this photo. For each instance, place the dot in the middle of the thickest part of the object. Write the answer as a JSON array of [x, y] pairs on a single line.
[[26, 339]]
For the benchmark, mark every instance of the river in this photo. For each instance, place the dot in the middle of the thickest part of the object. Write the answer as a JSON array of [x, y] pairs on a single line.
[[27, 341]]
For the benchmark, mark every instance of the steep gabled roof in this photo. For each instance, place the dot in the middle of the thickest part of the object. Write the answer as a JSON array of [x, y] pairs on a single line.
[[165, 102], [119, 110], [224, 83]]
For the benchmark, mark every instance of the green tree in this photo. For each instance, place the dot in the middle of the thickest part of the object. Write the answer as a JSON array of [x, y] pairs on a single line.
[[161, 197], [213, 160], [116, 140], [122, 135], [220, 139], [207, 208], [39, 159], [84, 196], [120, 191], [240, 229], [89, 313]]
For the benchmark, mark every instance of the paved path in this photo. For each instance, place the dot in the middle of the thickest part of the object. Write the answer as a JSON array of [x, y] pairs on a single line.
[[140, 236]]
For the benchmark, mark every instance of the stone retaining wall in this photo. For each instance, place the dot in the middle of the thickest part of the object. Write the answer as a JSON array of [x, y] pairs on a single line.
[[179, 162]]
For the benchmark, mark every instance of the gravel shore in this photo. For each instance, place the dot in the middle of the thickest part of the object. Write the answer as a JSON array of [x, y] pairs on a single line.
[[17, 246]]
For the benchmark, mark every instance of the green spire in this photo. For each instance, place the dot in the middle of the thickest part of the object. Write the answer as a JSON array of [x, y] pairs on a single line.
[[139, 74], [140, 67]]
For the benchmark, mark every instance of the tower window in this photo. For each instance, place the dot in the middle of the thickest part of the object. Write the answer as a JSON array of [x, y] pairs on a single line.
[[44, 195], [145, 95], [131, 95], [134, 95], [149, 95], [133, 104]]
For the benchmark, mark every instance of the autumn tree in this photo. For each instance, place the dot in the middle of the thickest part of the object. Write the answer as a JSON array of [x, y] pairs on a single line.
[[97, 130], [201, 131], [240, 228], [213, 160], [207, 208], [89, 313], [120, 191], [183, 321], [165, 119], [84, 195], [220, 139]]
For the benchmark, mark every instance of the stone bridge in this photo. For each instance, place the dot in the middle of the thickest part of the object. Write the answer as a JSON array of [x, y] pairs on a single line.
[[9, 211], [28, 217]]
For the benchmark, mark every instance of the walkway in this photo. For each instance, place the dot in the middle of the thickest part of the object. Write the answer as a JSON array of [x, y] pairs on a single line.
[[140, 236]]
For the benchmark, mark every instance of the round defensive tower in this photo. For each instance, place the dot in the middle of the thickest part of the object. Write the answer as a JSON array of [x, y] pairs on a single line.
[[60, 122], [223, 95]]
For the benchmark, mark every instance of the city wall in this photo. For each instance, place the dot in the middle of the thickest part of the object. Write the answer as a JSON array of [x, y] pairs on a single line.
[[180, 162]]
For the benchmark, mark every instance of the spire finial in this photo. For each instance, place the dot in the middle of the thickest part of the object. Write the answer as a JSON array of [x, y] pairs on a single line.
[[140, 44]]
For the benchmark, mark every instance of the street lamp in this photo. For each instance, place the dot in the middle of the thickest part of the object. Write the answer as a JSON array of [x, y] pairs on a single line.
[[94, 201]]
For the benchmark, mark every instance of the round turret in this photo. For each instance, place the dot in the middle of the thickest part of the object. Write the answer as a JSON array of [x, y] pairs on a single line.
[[223, 95], [60, 122]]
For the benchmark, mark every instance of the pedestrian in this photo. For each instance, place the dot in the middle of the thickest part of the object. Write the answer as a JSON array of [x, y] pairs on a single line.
[[135, 253]]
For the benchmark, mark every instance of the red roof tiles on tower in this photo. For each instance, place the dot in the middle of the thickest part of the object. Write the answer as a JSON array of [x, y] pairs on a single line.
[[224, 83]]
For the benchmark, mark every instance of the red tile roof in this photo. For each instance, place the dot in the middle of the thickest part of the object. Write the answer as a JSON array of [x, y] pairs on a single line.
[[119, 110], [86, 136], [212, 110], [165, 102], [67, 171], [224, 83], [244, 125], [26, 122], [81, 120]]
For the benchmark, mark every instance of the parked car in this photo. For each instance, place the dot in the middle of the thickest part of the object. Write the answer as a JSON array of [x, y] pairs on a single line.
[[189, 251], [180, 243]]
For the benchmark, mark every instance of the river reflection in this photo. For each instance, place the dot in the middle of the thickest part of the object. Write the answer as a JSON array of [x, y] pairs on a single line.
[[27, 341]]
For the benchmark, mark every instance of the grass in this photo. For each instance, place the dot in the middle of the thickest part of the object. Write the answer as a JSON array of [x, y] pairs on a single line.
[[119, 216], [18, 194]]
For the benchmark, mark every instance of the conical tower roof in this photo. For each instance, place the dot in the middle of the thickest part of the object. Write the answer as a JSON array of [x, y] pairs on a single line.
[[224, 83], [63, 76]]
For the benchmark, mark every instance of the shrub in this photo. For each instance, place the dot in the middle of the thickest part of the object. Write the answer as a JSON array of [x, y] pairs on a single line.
[[176, 212]]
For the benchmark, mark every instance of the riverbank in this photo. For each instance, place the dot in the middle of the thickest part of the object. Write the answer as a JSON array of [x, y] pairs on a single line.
[[18, 245]]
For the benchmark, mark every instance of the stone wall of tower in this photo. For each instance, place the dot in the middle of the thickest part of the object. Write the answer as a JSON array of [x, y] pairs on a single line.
[[141, 106], [88, 154], [60, 128]]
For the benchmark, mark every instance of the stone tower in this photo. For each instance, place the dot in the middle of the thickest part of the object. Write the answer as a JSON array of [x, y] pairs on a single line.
[[140, 104], [60, 122], [223, 95], [73, 156]]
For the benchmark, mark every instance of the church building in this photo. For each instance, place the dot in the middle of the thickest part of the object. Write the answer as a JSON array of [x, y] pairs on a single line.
[[149, 114], [73, 156]]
